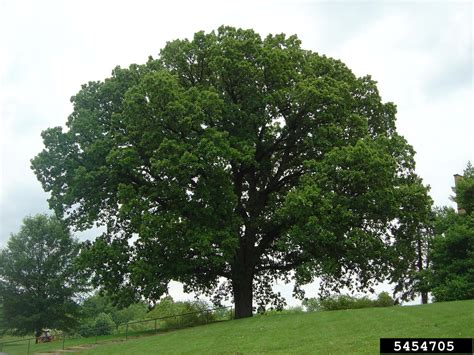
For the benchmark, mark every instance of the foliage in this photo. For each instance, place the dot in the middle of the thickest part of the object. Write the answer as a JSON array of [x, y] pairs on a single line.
[[39, 282], [338, 302], [87, 328], [165, 307], [223, 313], [133, 312], [452, 258], [2, 320], [409, 273], [292, 309], [96, 304], [186, 313], [464, 190], [451, 276], [99, 315], [104, 324], [384, 300], [238, 158], [311, 304]]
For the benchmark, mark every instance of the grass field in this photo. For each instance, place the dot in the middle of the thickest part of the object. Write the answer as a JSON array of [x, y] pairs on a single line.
[[336, 332]]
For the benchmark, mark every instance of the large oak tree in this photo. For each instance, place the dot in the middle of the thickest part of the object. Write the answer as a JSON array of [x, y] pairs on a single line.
[[232, 160]]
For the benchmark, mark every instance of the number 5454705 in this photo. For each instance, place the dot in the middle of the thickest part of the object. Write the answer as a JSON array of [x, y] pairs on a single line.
[[431, 345]]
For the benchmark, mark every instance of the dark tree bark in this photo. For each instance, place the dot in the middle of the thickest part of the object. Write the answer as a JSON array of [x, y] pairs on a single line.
[[243, 296], [424, 297], [424, 294], [243, 271]]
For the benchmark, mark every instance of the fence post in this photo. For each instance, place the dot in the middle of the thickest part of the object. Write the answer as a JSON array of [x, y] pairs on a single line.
[[64, 339], [28, 346], [126, 332]]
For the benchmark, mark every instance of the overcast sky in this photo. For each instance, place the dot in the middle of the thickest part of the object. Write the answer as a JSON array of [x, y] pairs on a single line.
[[421, 54]]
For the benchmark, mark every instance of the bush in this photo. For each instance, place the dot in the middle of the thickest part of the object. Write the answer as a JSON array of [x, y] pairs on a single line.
[[334, 303], [223, 314], [338, 302], [182, 314], [100, 325], [311, 304], [294, 309], [87, 329], [104, 324], [384, 300], [133, 312]]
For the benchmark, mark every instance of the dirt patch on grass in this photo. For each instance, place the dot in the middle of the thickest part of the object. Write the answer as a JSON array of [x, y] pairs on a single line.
[[71, 349]]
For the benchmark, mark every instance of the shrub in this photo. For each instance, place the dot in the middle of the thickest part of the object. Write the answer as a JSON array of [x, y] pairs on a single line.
[[294, 309], [104, 324], [338, 302], [133, 312], [384, 300], [182, 314], [223, 313], [87, 329], [334, 303], [311, 304]]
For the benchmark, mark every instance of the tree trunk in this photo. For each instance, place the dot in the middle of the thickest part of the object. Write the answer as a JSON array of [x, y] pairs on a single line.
[[243, 269], [243, 295], [424, 294], [37, 334], [424, 297]]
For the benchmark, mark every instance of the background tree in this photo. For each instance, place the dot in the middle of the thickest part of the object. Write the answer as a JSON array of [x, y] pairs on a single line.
[[38, 279], [411, 273], [233, 158], [97, 304], [464, 190], [452, 251]]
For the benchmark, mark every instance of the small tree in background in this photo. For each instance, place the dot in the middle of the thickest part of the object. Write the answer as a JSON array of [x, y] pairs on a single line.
[[452, 257], [464, 190], [452, 251], [412, 260], [38, 278], [104, 324], [97, 304]]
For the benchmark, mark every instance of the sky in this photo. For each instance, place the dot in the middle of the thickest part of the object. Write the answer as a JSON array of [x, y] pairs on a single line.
[[419, 52]]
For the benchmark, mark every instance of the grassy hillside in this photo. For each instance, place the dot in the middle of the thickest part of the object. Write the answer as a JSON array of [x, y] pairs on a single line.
[[349, 331]]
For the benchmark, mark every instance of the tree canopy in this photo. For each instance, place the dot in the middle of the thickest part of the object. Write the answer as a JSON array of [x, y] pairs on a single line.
[[464, 190], [452, 248], [232, 160], [38, 280]]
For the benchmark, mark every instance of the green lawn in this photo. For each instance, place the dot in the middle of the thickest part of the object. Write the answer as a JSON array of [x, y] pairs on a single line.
[[18, 346], [337, 332]]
